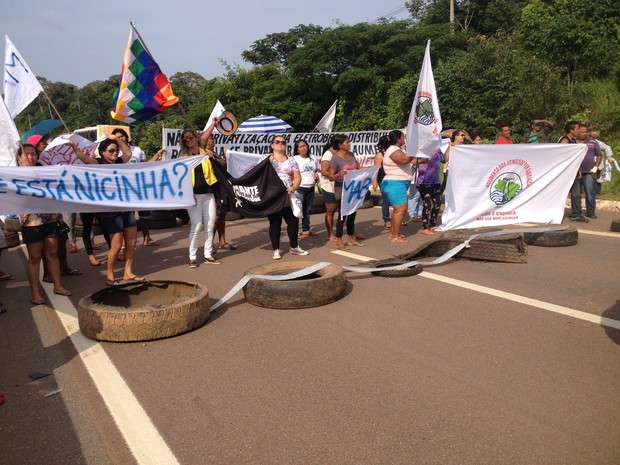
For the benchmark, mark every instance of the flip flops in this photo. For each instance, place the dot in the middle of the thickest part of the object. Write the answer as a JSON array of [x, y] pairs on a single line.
[[6, 277], [111, 283], [227, 246], [63, 293], [135, 279], [356, 243], [399, 239], [152, 244]]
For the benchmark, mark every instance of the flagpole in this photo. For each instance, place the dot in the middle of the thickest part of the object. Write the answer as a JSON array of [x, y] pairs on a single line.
[[133, 26], [56, 111]]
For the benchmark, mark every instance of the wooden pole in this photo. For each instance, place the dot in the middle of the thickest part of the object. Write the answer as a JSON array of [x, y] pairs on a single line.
[[54, 107]]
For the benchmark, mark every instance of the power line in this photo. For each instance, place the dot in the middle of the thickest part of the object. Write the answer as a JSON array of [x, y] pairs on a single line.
[[393, 12]]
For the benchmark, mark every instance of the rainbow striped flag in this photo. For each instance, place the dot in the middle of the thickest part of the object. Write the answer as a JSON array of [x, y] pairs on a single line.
[[144, 91]]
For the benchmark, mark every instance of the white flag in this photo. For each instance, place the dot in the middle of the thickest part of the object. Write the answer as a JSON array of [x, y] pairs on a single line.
[[327, 122], [494, 185], [424, 128], [9, 137], [217, 111], [355, 185], [20, 84]]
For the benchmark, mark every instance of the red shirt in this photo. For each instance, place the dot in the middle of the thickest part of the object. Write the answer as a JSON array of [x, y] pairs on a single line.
[[503, 140]]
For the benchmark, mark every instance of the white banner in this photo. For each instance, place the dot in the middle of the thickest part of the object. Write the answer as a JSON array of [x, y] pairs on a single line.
[[493, 185], [239, 163], [217, 111], [327, 122], [355, 185], [58, 152], [424, 126], [9, 137], [97, 188], [363, 144], [20, 84]]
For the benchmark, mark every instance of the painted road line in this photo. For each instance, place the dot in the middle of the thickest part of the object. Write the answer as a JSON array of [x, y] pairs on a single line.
[[146, 444], [599, 320], [354, 256], [599, 233]]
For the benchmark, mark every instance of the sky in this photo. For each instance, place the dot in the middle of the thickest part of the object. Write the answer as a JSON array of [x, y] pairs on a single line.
[[80, 41]]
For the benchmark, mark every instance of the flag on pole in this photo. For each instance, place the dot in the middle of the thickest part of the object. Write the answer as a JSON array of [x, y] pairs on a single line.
[[9, 138], [20, 84], [327, 122], [217, 111], [144, 91], [424, 128]]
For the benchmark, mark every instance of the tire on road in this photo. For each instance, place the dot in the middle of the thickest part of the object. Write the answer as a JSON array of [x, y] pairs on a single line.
[[411, 271], [320, 288], [615, 226], [143, 311], [558, 238], [318, 204], [507, 248]]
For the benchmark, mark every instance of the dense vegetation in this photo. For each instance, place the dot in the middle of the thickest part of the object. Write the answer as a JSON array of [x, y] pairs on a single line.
[[510, 60]]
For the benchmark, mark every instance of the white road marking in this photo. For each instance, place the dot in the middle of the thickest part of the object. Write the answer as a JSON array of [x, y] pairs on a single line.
[[146, 444], [599, 320], [599, 233], [580, 315]]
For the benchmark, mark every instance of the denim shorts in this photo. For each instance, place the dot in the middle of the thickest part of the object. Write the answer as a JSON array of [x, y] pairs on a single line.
[[144, 215], [34, 234], [329, 197], [118, 222]]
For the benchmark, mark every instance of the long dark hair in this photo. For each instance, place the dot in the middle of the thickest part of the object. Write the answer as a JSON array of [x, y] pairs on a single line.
[[296, 147], [338, 140], [394, 136], [384, 143]]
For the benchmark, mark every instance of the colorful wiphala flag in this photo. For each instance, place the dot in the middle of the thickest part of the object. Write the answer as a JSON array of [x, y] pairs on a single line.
[[144, 90]]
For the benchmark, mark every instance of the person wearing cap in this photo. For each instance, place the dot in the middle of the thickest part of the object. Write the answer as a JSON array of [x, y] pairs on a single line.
[[539, 133], [39, 142]]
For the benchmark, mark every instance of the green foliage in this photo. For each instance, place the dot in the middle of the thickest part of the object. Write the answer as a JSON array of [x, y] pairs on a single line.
[[512, 60]]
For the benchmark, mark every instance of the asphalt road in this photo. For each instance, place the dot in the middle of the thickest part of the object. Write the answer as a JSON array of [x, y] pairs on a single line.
[[467, 363]]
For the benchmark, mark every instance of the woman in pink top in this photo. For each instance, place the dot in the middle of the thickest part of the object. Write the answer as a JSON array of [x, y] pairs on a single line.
[[398, 175]]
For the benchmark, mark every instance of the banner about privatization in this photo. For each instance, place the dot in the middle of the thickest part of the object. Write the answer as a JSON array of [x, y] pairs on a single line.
[[493, 185], [97, 188], [363, 144]]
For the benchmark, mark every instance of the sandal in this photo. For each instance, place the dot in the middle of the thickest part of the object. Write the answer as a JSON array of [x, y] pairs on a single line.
[[66, 293], [38, 302], [426, 232], [356, 243], [71, 272], [6, 277], [388, 224], [227, 246], [332, 239], [136, 279], [111, 283], [152, 244], [399, 239]]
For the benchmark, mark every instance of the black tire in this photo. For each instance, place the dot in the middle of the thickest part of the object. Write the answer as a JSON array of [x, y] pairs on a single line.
[[157, 310], [368, 201], [162, 224], [411, 271], [615, 226], [320, 288], [497, 249], [554, 238], [318, 204], [232, 216], [161, 215]]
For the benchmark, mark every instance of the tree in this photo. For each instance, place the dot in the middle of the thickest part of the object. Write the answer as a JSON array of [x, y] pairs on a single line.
[[276, 48]]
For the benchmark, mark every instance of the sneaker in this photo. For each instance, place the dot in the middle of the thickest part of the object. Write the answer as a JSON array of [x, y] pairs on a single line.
[[193, 264], [212, 261], [298, 251], [593, 216], [277, 255], [579, 218]]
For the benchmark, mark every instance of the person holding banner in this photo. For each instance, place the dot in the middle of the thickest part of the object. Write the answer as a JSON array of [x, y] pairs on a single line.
[[40, 234], [288, 172], [204, 212], [121, 226], [342, 161], [429, 183], [398, 176]]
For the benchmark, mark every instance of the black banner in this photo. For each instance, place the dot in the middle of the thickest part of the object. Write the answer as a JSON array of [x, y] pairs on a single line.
[[256, 194]]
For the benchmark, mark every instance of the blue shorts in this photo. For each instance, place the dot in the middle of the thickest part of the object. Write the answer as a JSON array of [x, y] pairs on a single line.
[[118, 222], [34, 234], [329, 197], [396, 191], [144, 215]]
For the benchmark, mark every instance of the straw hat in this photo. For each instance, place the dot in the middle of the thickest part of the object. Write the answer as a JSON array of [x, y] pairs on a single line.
[[227, 123]]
